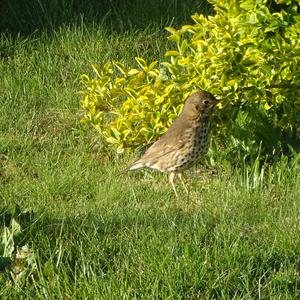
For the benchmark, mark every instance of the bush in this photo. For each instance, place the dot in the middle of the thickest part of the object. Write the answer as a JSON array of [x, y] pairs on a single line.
[[247, 53]]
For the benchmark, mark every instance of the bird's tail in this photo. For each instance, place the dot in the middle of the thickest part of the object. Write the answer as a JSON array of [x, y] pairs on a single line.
[[135, 166]]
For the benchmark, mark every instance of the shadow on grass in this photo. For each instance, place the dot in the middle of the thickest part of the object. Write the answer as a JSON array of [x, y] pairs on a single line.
[[117, 245], [28, 16]]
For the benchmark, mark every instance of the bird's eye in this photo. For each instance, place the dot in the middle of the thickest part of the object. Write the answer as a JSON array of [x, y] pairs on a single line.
[[206, 102]]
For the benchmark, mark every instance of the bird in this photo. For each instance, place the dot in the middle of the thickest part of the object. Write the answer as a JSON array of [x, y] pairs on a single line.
[[184, 143]]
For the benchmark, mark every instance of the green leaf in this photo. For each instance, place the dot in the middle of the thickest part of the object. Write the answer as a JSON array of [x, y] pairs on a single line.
[[120, 67], [15, 227], [248, 4], [97, 70], [133, 72], [142, 63], [171, 30], [172, 53], [112, 140]]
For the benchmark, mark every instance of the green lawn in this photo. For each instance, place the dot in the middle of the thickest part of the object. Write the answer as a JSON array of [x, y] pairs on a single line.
[[94, 235]]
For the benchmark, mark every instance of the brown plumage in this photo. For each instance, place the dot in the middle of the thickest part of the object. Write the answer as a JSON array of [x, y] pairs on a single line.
[[185, 142]]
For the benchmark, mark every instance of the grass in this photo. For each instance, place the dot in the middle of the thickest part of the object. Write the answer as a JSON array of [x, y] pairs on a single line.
[[94, 235]]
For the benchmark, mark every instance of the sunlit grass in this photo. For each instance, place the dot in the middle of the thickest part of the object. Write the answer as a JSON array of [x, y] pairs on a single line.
[[95, 234]]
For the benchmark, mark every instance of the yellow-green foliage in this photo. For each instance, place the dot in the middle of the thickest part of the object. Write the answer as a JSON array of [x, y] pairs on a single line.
[[246, 52]]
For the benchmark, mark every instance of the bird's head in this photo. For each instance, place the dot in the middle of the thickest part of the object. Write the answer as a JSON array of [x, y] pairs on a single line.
[[201, 102]]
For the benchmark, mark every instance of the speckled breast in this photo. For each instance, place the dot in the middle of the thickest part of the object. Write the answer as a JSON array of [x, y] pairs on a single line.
[[196, 146]]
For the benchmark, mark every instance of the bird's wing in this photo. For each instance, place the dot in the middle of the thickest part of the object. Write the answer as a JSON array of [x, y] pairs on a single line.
[[162, 148], [157, 151]]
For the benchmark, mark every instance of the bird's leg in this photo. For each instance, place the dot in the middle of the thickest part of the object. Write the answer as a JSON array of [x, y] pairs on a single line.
[[171, 178], [183, 183]]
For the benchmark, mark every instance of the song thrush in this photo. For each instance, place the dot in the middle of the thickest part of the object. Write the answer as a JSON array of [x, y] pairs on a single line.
[[185, 142]]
